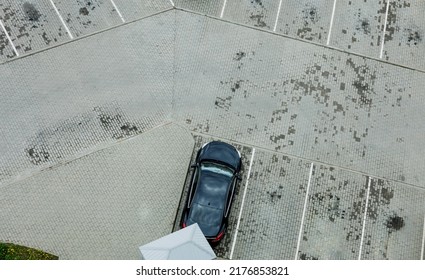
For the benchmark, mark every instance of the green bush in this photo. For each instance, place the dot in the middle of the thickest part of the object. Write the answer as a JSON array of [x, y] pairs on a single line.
[[9, 251]]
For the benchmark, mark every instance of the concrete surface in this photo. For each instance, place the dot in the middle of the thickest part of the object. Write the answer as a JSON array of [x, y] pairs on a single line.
[[325, 105]]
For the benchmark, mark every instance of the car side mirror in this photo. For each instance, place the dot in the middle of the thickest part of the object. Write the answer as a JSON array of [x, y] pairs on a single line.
[[193, 166], [238, 177]]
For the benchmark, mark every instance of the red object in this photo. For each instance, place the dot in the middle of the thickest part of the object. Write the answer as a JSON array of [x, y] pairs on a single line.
[[218, 237]]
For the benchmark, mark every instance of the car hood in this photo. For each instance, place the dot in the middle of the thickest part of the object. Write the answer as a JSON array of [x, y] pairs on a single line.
[[221, 152]]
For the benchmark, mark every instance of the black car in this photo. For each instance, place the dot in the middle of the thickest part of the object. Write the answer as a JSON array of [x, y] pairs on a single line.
[[212, 187]]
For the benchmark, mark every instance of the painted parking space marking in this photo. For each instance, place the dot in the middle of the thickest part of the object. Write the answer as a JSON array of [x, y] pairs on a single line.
[[222, 10], [243, 200], [118, 11], [331, 24], [8, 38], [364, 218], [61, 19], [385, 29], [172, 3], [277, 16], [423, 241], [304, 210]]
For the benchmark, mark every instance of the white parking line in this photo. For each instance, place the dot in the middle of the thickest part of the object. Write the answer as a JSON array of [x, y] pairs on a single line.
[[242, 203], [364, 218], [304, 210], [277, 16], [423, 242], [8, 38], [172, 3], [222, 9], [61, 19], [385, 29], [332, 22], [118, 11]]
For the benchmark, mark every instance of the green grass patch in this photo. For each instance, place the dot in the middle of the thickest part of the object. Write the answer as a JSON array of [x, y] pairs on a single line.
[[9, 251]]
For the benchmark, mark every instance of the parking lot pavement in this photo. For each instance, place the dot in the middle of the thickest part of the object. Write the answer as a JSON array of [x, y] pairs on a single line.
[[273, 207], [308, 20], [323, 132], [135, 9], [354, 26], [359, 26], [6, 50], [395, 222], [223, 249], [32, 25], [261, 14], [404, 37], [287, 208], [299, 99], [85, 17], [103, 205], [212, 8], [70, 100], [334, 216]]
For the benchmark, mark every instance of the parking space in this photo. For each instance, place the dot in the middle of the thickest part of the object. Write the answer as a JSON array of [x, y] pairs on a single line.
[[135, 9], [84, 17], [334, 215], [32, 25], [358, 26], [308, 20], [212, 8], [288, 208], [6, 48], [405, 33], [223, 249], [258, 13], [395, 222], [273, 208]]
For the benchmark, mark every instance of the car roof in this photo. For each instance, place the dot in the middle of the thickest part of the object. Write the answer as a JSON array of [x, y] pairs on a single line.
[[211, 190]]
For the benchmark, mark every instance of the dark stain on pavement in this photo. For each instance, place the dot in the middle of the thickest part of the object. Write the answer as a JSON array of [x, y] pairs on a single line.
[[381, 194], [37, 155], [394, 223], [64, 138], [413, 36], [84, 11], [258, 19], [363, 84], [31, 12], [239, 55], [305, 256]]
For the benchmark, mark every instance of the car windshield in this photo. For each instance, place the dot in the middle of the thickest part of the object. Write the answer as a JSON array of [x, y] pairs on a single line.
[[216, 168]]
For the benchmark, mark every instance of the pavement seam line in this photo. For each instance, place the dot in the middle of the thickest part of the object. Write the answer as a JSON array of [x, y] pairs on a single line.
[[303, 158], [364, 217], [103, 146], [86, 36], [331, 24], [61, 19], [277, 16], [242, 204], [385, 29], [304, 210], [423, 241], [118, 11], [8, 38], [303, 40]]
